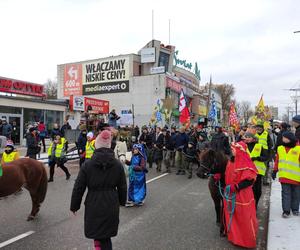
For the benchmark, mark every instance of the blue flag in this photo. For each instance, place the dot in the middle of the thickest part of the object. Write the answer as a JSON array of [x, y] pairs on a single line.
[[213, 113]]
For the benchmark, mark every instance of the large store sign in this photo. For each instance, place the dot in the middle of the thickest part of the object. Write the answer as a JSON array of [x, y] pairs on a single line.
[[187, 65], [20, 87], [97, 77], [93, 105]]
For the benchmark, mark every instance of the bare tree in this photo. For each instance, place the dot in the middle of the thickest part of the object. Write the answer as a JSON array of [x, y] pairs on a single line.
[[51, 89], [226, 92], [285, 118], [246, 111]]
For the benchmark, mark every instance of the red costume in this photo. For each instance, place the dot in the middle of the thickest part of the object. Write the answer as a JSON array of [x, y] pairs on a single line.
[[243, 226]]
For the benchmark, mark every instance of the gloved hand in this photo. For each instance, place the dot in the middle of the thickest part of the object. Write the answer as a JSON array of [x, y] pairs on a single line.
[[274, 173], [217, 177], [233, 188]]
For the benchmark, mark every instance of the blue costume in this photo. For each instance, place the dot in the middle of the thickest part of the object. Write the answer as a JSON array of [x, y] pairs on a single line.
[[137, 176]]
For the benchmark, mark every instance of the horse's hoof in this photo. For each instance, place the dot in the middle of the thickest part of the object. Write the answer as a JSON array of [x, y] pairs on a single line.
[[30, 217]]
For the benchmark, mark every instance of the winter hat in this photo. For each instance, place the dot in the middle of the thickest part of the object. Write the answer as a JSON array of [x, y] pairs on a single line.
[[103, 140], [90, 134], [250, 135], [296, 119], [289, 135]]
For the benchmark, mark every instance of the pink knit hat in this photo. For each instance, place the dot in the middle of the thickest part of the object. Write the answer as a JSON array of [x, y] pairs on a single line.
[[103, 140]]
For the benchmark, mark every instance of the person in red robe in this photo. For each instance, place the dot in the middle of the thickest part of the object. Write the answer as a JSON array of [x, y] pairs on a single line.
[[240, 212]]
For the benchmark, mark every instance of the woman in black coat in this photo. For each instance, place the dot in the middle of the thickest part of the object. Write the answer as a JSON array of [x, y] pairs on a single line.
[[105, 179]]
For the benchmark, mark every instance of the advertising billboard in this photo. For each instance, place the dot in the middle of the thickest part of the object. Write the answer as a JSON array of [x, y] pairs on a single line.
[[73, 80], [102, 76]]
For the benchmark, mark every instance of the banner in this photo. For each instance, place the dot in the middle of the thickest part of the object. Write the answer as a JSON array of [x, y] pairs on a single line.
[[73, 80], [96, 106], [93, 105]]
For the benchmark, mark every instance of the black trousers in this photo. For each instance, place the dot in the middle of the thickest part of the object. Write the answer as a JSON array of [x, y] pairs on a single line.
[[257, 188], [105, 244], [60, 165]]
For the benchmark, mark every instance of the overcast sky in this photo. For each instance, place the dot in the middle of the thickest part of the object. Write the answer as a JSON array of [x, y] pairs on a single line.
[[250, 44]]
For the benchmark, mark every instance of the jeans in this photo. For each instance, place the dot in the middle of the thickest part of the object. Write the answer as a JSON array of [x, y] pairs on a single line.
[[290, 197]]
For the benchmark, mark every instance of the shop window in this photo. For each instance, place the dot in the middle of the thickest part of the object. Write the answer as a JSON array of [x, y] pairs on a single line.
[[164, 60], [10, 110]]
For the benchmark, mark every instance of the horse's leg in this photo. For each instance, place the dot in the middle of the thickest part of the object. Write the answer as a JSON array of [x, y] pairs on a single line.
[[35, 205], [223, 223], [214, 192]]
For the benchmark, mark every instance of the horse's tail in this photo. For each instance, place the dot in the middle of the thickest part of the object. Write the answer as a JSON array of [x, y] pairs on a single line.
[[42, 190]]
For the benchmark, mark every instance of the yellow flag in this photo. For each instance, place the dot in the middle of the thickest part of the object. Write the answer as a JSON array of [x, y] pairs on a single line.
[[260, 108]]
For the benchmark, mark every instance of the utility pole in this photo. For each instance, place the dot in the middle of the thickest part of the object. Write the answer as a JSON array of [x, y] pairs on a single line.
[[208, 99], [295, 97]]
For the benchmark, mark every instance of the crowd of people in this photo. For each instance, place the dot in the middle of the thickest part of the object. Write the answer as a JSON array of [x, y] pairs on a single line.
[[168, 149]]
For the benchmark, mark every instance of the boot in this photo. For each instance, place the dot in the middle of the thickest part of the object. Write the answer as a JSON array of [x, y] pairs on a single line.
[[50, 179], [190, 176], [178, 172]]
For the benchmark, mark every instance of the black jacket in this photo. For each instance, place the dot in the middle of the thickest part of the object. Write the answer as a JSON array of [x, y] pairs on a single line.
[[104, 177], [146, 139], [55, 132], [220, 142], [32, 145], [158, 149], [81, 142]]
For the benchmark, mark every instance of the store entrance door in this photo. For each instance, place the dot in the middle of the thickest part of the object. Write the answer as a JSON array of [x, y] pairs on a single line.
[[16, 121]]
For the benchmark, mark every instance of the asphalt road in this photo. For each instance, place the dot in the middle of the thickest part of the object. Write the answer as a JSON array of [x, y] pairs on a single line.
[[178, 214]]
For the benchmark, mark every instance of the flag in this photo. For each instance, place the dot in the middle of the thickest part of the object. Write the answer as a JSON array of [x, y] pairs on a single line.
[[233, 119], [183, 109], [260, 108], [213, 113]]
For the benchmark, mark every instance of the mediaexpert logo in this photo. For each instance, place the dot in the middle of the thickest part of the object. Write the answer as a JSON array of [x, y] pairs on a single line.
[[102, 88]]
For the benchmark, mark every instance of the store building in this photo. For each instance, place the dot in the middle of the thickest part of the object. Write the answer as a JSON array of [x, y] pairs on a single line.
[[23, 103], [133, 81]]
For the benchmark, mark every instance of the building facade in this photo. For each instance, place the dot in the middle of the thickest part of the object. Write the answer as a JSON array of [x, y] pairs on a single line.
[[133, 82]]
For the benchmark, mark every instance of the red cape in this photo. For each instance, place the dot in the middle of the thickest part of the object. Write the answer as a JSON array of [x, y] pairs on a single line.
[[243, 228]]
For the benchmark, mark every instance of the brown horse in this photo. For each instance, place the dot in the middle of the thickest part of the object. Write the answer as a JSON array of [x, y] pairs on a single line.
[[28, 173], [213, 162]]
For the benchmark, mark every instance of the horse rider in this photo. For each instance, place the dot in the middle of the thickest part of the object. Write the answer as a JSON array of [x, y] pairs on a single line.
[[90, 145], [10, 154], [57, 155], [220, 142], [265, 140]]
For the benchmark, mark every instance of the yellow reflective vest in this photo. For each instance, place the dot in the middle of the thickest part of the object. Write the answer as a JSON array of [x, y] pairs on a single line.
[[288, 163], [263, 139], [256, 152], [6, 158], [59, 148], [89, 149]]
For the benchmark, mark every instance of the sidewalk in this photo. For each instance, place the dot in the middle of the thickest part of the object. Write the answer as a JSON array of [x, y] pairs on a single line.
[[283, 233]]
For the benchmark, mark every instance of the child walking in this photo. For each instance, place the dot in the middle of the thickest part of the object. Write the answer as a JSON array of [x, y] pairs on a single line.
[[137, 176]]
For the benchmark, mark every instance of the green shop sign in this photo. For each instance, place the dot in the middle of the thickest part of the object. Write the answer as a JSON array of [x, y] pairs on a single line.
[[187, 65]]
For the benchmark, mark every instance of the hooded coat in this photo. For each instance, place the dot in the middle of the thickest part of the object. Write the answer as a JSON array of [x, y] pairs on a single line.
[[105, 179]]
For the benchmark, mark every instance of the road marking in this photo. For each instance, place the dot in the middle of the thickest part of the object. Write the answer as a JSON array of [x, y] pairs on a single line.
[[19, 237], [158, 177]]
